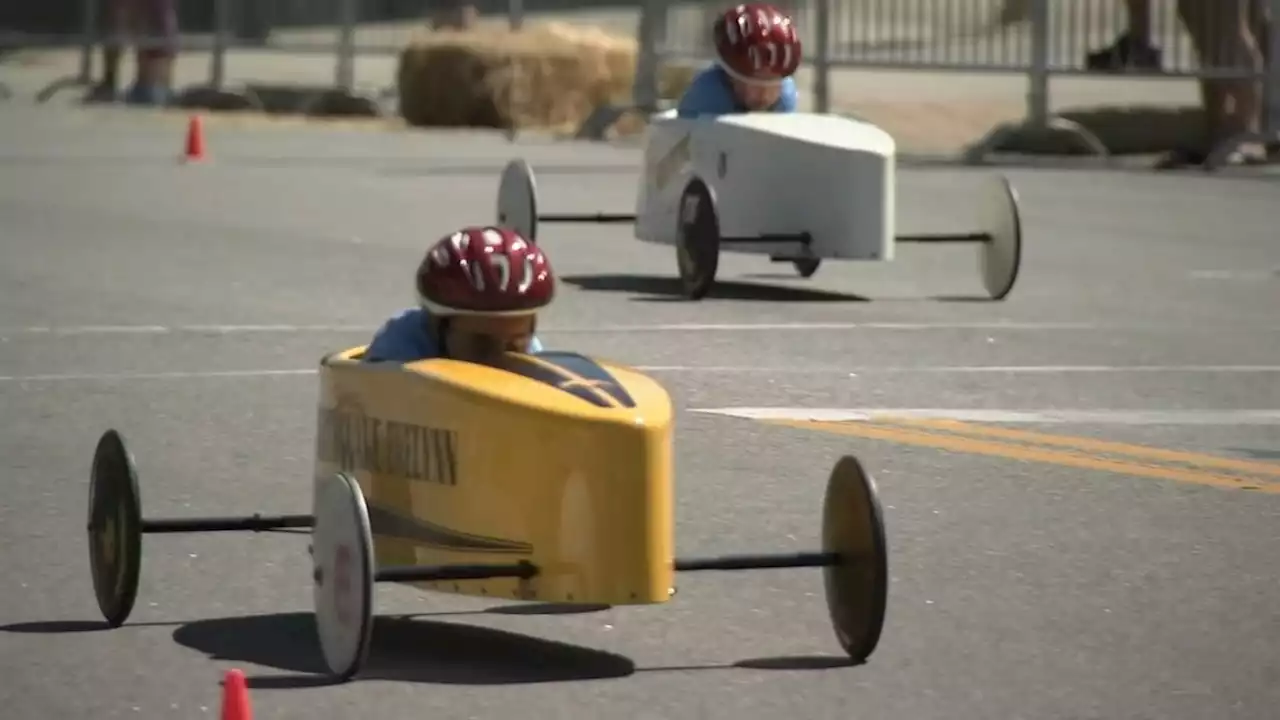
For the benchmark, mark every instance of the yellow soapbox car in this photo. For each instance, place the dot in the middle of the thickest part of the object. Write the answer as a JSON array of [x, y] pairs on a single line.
[[547, 479]]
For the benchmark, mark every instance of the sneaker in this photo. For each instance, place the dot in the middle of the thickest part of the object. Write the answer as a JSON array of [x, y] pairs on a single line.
[[1180, 158], [102, 93], [154, 95]]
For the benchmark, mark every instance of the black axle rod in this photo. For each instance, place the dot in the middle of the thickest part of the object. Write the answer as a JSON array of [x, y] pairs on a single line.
[[970, 238], [755, 562], [435, 573], [597, 218], [802, 238], [254, 523], [526, 570]]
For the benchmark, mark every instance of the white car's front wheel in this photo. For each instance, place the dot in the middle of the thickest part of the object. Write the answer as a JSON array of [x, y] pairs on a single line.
[[697, 240]]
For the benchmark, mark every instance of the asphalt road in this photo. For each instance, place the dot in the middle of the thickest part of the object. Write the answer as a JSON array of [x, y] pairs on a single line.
[[1040, 576]]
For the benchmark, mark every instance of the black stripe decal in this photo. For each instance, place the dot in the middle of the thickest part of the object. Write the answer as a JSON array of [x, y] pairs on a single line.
[[589, 369], [385, 523], [523, 365]]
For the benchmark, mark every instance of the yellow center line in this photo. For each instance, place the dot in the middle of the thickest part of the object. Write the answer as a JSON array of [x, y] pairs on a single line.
[[1012, 451], [1091, 444]]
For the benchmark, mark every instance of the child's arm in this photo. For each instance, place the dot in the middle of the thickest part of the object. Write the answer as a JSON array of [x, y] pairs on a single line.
[[790, 100]]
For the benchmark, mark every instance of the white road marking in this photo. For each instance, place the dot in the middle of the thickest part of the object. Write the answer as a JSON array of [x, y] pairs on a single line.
[[715, 369], [1047, 417], [1236, 274], [966, 369], [75, 330], [189, 375], [284, 328]]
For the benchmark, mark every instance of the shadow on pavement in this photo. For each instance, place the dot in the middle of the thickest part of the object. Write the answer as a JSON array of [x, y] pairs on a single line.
[[405, 649], [414, 649], [654, 288]]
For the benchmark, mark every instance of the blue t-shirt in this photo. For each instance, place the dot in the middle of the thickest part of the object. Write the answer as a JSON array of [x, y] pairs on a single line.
[[711, 93], [405, 338]]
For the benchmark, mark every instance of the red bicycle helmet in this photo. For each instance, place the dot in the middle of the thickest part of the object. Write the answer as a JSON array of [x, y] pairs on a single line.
[[757, 43], [485, 271]]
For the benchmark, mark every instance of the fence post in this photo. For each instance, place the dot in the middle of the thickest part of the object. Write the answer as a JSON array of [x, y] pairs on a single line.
[[653, 20], [515, 14], [89, 28], [1271, 68], [345, 51], [822, 61], [221, 34], [1038, 75]]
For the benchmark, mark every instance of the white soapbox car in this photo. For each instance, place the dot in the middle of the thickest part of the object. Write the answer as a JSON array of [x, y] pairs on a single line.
[[799, 187]]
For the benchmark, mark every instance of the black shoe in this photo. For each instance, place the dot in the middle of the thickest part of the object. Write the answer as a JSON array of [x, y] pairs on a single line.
[[1180, 159], [102, 93], [1123, 55]]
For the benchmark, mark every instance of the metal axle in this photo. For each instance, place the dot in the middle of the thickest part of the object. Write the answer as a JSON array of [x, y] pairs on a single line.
[[969, 238], [597, 218], [255, 523], [803, 238], [525, 569], [435, 573], [755, 562]]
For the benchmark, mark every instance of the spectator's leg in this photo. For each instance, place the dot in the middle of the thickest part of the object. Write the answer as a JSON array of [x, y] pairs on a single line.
[[159, 21], [1248, 94], [116, 25], [1222, 34], [1133, 49], [1200, 18], [1014, 11], [1239, 50], [1260, 19], [454, 15]]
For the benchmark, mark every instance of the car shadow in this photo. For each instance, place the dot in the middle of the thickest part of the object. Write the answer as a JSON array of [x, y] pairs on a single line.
[[411, 649], [417, 648], [58, 627], [657, 288], [544, 609]]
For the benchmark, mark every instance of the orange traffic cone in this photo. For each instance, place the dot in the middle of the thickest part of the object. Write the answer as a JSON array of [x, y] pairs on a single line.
[[235, 697], [195, 140]]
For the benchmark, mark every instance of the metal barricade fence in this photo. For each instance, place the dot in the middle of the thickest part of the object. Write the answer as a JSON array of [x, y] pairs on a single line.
[[312, 43], [324, 41], [1038, 39]]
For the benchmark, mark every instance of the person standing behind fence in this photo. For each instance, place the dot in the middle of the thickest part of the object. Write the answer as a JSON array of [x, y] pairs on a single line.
[[153, 27], [1227, 35], [1133, 49]]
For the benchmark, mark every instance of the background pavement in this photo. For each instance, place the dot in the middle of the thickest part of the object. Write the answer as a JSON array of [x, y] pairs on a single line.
[[187, 306]]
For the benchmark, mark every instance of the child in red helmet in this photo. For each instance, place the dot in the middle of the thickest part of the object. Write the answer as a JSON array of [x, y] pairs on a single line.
[[479, 292], [757, 53]]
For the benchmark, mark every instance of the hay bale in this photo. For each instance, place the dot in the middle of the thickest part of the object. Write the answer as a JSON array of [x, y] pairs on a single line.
[[546, 76]]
